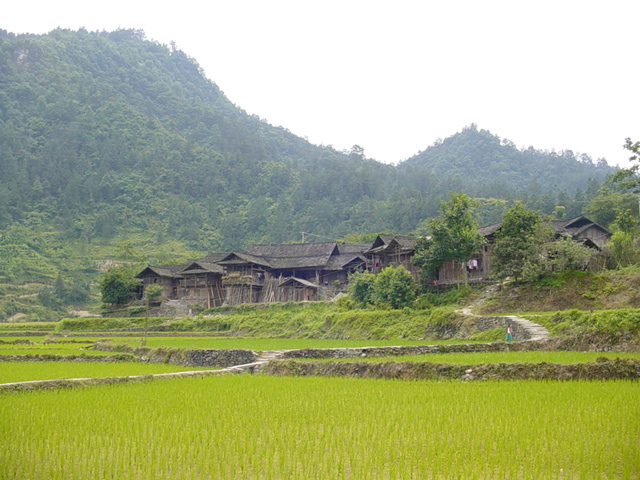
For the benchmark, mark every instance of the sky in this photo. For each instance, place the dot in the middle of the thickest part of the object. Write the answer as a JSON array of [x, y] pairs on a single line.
[[394, 77]]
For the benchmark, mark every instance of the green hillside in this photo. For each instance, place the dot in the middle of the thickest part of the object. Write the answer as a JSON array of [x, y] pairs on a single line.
[[116, 147]]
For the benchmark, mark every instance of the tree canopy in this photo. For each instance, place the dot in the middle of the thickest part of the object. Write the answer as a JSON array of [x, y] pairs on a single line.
[[453, 236]]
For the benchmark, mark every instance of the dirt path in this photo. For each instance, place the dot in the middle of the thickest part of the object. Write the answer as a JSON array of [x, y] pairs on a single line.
[[536, 332]]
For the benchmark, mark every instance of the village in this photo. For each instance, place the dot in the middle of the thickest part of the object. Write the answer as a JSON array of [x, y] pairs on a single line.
[[295, 272]]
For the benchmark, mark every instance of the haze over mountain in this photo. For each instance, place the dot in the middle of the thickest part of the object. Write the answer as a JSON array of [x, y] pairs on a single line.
[[107, 138]]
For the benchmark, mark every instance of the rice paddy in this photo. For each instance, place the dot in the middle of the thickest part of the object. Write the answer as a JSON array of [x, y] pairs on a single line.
[[26, 371], [258, 427], [476, 358]]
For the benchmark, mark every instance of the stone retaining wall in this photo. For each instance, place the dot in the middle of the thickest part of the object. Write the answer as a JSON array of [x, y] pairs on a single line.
[[219, 358], [189, 358], [603, 369], [488, 323]]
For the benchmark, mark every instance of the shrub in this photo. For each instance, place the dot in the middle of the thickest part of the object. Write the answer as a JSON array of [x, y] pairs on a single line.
[[392, 287], [361, 288]]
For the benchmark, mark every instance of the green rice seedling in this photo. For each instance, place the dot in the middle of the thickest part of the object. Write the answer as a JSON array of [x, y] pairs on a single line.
[[476, 358], [27, 326], [51, 351], [27, 371], [257, 427]]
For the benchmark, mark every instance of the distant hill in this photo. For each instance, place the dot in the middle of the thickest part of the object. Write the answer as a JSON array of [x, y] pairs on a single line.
[[479, 158], [116, 147]]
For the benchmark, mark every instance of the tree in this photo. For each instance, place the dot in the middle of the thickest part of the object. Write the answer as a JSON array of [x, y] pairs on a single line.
[[453, 236], [394, 286], [519, 247], [361, 288], [565, 254], [609, 204], [622, 249], [118, 285]]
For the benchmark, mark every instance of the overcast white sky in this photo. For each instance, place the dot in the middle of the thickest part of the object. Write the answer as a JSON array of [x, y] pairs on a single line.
[[393, 77]]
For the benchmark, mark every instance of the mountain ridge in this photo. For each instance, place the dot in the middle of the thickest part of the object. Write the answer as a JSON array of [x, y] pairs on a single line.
[[114, 146]]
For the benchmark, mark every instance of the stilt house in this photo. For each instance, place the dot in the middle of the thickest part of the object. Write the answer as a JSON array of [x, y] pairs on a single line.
[[478, 267], [285, 272], [392, 250]]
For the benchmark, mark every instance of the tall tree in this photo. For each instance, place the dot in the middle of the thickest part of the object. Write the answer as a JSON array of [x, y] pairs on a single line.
[[519, 244], [453, 236]]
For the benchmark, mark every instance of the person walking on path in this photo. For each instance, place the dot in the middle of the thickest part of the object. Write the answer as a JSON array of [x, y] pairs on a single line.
[[509, 337]]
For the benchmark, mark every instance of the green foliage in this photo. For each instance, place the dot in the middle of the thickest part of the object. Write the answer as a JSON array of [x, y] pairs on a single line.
[[153, 293], [394, 286], [104, 323], [623, 250], [565, 255], [118, 285], [490, 335], [361, 288], [340, 425], [454, 236], [447, 297], [610, 204], [519, 245], [29, 371], [608, 327], [316, 320]]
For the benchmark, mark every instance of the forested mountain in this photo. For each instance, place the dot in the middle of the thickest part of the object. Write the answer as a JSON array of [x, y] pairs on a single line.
[[480, 160], [110, 143]]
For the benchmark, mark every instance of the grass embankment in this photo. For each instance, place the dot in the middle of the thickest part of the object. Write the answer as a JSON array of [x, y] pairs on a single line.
[[607, 290], [274, 428], [307, 320], [6, 327], [261, 344], [107, 323]]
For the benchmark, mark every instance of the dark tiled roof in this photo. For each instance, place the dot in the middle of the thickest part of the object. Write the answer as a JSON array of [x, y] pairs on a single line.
[[162, 270], [306, 283], [352, 247], [213, 257], [338, 262], [490, 229], [383, 242], [572, 227], [202, 267], [575, 226], [295, 255], [237, 258]]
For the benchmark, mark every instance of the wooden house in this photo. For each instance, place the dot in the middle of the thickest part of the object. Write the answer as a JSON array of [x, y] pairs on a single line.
[[201, 280], [244, 277], [294, 289], [582, 230], [262, 273], [392, 250], [478, 267], [166, 276], [198, 280]]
